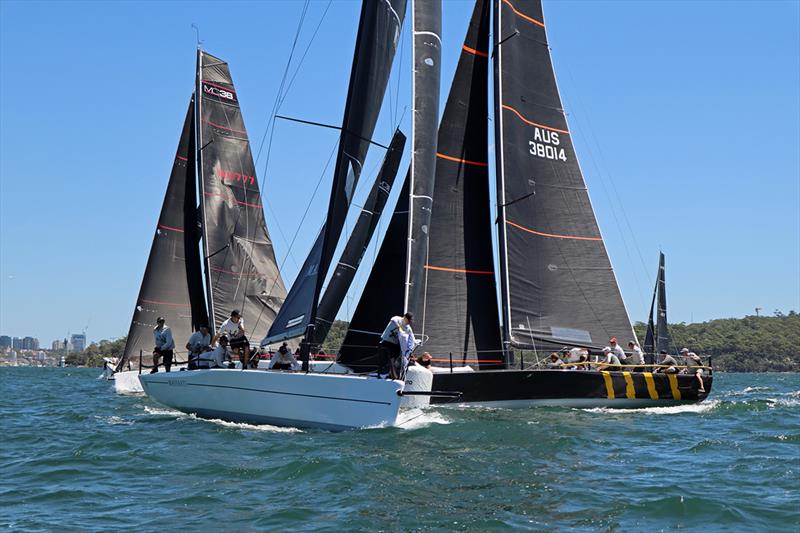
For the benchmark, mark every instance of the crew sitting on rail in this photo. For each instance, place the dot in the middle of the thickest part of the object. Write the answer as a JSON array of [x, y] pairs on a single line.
[[667, 363], [283, 359], [555, 362], [636, 357], [618, 351], [234, 329], [216, 358], [694, 365], [610, 360], [199, 342]]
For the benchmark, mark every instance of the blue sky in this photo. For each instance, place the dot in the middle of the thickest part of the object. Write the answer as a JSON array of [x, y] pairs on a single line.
[[685, 116]]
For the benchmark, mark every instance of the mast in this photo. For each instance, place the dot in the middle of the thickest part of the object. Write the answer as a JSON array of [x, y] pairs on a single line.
[[199, 162], [558, 285], [427, 53]]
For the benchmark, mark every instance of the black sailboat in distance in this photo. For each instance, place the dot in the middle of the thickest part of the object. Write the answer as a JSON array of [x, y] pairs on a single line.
[[214, 163], [557, 286]]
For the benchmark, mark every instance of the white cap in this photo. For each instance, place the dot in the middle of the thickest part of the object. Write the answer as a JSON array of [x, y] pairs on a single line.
[[606, 349], [684, 350]]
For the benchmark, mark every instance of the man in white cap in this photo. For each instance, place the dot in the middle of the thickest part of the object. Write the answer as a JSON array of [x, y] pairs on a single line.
[[610, 358]]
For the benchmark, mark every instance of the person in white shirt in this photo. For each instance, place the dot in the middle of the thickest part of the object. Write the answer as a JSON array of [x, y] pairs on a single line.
[[233, 328], [216, 358], [283, 359], [636, 357], [199, 342], [618, 351], [610, 359], [397, 342], [164, 345]]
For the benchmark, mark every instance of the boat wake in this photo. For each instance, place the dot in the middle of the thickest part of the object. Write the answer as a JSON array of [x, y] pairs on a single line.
[[156, 411], [669, 410], [419, 418]]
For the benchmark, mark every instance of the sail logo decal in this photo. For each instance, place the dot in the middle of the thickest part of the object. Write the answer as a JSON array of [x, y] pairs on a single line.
[[545, 144], [218, 91], [233, 177]]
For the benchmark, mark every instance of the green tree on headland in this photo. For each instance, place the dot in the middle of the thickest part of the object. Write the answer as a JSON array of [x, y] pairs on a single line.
[[94, 353]]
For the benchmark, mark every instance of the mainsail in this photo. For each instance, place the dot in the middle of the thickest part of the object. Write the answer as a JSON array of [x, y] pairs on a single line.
[[172, 284], [376, 42], [557, 283], [663, 339], [359, 239], [241, 271], [427, 43], [461, 314], [383, 293], [650, 334]]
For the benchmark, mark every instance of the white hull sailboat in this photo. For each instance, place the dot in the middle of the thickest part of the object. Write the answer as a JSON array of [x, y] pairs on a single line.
[[326, 401]]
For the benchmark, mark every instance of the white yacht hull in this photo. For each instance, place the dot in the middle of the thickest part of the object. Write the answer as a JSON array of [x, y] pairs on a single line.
[[327, 401]]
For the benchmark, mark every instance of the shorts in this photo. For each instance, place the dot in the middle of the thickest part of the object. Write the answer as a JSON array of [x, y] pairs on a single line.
[[166, 355], [239, 342]]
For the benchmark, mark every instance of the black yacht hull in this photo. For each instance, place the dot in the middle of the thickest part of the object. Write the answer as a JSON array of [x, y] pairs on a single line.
[[565, 388]]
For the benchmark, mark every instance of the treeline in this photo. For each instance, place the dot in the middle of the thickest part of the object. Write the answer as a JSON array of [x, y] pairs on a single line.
[[749, 344]]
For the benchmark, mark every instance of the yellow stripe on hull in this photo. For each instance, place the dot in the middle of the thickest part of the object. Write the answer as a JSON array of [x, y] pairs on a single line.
[[651, 385], [630, 391], [673, 384], [609, 385]]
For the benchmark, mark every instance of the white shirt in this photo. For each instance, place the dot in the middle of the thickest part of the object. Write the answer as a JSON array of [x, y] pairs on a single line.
[[284, 358], [636, 358], [619, 352], [163, 338], [395, 329], [574, 355], [231, 328], [198, 341], [612, 359], [215, 358]]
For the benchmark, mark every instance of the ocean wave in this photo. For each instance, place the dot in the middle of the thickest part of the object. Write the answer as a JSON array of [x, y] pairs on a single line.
[[703, 407], [114, 420], [249, 427], [418, 418]]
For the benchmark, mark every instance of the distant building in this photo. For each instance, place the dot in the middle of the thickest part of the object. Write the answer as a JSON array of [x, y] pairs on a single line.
[[30, 343], [16, 343], [58, 345], [5, 342], [78, 342]]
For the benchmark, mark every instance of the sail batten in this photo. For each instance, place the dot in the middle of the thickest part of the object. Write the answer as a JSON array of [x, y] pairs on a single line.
[[557, 282]]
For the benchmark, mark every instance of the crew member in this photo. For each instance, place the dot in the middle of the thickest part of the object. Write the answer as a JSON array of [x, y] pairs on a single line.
[[165, 345], [667, 363], [234, 329], [216, 358], [610, 358], [694, 365], [618, 351], [394, 344], [199, 342], [283, 359]]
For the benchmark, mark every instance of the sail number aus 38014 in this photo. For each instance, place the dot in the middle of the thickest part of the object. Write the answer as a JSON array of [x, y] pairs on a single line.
[[545, 144]]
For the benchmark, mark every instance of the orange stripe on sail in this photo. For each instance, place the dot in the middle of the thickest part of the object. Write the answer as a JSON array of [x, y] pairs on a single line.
[[465, 161], [475, 52], [462, 270], [554, 236], [532, 123], [523, 15]]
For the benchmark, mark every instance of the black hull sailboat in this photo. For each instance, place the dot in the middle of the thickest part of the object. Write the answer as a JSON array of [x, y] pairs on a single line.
[[556, 283]]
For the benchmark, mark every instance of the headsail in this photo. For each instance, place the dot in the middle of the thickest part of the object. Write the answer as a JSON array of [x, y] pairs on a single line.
[[241, 271], [383, 294], [557, 283], [172, 284], [427, 42], [376, 42], [461, 314], [359, 239]]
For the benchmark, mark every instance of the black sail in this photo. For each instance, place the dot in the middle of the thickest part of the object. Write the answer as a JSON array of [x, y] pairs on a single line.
[[663, 339], [376, 42], [650, 335], [359, 239], [461, 315], [557, 283], [383, 293], [172, 281], [427, 29], [241, 271]]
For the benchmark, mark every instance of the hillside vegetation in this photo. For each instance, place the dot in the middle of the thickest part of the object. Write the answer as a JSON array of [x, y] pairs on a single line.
[[749, 344]]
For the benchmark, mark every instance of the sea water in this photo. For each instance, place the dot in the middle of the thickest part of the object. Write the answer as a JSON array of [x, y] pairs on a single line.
[[75, 456]]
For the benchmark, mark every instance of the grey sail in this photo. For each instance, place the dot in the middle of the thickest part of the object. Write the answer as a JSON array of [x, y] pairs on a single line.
[[427, 43], [461, 315], [557, 283], [650, 334], [172, 284], [359, 239], [241, 271], [376, 42]]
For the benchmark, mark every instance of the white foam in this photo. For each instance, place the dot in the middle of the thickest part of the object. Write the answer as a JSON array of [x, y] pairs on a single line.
[[418, 418], [670, 410], [162, 412], [251, 427], [114, 420]]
